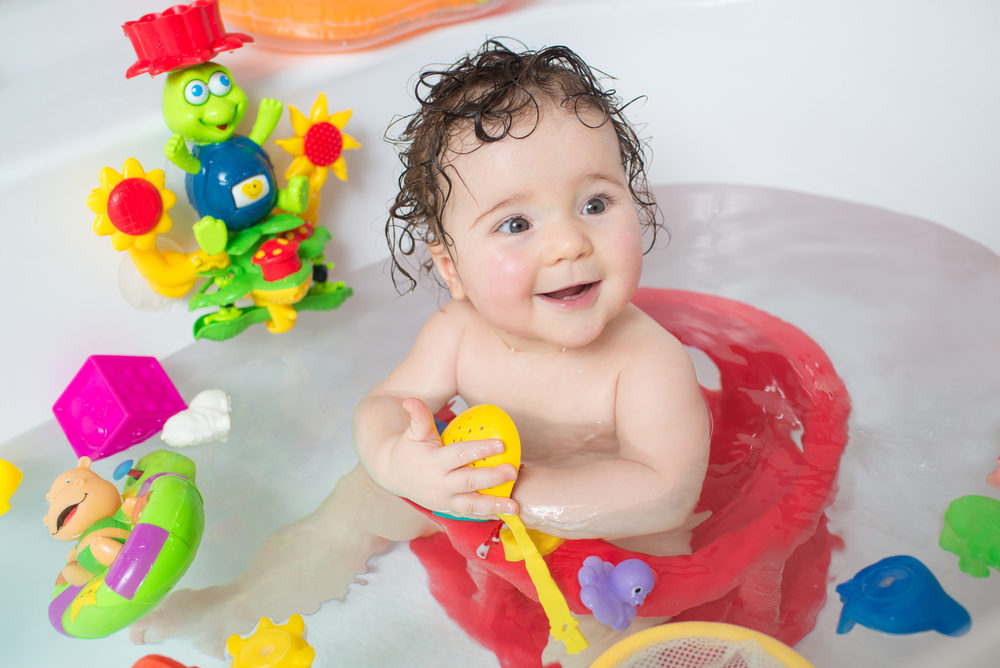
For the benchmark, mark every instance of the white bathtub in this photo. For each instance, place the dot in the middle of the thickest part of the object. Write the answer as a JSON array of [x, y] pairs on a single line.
[[890, 104]]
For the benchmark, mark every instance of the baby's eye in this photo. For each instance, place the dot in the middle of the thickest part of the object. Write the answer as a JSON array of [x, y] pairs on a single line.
[[514, 225], [219, 84], [594, 206], [196, 92]]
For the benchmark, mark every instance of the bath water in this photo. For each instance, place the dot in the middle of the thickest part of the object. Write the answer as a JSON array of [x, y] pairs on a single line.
[[906, 310]]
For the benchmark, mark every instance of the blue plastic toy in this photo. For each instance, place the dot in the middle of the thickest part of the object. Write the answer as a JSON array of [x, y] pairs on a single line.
[[900, 595]]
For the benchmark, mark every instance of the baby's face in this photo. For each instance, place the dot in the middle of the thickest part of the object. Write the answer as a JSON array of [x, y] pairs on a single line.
[[547, 240]]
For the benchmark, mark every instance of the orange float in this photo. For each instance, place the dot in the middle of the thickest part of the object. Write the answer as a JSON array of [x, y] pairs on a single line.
[[347, 25]]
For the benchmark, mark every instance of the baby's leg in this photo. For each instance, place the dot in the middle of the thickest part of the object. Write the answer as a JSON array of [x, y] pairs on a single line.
[[296, 569]]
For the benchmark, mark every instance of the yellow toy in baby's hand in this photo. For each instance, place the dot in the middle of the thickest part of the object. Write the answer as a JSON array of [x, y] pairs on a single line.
[[483, 422]]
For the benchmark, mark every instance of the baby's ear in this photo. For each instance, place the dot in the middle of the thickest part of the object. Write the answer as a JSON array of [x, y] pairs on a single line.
[[445, 266]]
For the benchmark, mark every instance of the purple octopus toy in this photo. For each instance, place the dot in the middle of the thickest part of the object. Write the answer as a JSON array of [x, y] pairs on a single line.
[[613, 593]]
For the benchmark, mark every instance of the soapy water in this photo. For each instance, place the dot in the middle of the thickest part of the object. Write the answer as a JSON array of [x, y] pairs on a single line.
[[905, 310]]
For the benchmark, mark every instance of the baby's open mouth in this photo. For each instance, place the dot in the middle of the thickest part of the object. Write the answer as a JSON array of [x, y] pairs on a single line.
[[67, 513], [570, 293]]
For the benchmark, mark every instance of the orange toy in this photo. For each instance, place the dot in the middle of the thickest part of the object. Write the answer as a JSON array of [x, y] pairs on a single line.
[[346, 25]]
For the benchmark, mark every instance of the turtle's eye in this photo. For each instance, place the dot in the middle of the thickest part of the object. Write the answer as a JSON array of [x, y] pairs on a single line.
[[219, 84], [196, 92]]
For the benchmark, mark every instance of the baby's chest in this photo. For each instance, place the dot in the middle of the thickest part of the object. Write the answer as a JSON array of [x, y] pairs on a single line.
[[558, 408]]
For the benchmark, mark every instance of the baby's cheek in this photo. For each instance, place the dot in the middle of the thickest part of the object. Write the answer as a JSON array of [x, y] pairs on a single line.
[[506, 277], [627, 249]]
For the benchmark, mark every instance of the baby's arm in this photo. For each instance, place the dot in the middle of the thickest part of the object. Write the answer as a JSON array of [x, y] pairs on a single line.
[[399, 445], [653, 485]]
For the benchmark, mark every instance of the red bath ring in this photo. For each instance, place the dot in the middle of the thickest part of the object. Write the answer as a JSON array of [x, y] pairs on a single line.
[[760, 560]]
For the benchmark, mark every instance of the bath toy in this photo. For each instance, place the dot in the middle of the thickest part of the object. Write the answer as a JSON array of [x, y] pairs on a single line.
[[158, 661], [612, 592], [318, 147], [993, 479], [779, 413], [272, 646], [229, 178], [486, 421], [275, 303], [972, 531], [900, 595], [131, 208], [700, 645], [114, 402], [181, 36], [346, 26], [10, 478], [132, 548], [207, 419], [258, 242], [87, 508], [122, 469]]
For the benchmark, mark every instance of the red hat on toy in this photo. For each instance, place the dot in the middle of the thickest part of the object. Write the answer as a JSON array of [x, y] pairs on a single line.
[[179, 37]]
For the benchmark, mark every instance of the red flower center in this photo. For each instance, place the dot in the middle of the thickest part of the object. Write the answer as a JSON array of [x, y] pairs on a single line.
[[323, 144], [135, 206]]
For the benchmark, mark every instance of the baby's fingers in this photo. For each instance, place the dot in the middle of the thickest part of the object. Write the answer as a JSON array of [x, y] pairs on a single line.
[[422, 424], [482, 505], [469, 479], [459, 454]]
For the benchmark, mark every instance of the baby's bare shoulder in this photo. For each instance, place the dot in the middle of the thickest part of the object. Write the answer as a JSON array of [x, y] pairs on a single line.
[[638, 335], [654, 362], [452, 316]]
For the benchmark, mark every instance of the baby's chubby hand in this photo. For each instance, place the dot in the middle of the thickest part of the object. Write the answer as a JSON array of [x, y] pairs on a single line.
[[439, 478]]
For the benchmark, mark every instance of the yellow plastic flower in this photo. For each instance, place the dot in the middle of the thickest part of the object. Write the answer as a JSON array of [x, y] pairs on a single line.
[[273, 646], [131, 206], [318, 143]]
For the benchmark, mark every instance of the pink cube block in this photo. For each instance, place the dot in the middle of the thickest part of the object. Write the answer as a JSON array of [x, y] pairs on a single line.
[[114, 402]]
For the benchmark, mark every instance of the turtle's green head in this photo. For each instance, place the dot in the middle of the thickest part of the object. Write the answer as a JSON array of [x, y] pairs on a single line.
[[202, 104]]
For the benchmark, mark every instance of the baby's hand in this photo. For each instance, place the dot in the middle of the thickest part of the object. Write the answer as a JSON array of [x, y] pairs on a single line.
[[438, 478]]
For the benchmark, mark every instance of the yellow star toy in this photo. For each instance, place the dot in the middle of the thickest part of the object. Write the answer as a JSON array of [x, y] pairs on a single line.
[[272, 646]]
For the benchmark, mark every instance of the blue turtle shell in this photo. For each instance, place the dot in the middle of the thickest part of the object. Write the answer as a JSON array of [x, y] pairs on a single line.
[[235, 183], [900, 595]]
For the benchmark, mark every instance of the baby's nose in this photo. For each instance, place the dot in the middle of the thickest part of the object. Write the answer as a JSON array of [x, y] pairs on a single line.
[[567, 239]]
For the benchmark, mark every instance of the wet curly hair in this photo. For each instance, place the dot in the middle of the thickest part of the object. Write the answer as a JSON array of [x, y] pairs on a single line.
[[489, 91]]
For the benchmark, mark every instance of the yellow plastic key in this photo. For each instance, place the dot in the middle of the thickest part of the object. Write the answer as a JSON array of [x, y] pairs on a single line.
[[486, 421], [562, 624]]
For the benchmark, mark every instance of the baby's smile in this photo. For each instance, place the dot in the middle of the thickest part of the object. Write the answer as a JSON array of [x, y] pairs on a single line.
[[575, 296]]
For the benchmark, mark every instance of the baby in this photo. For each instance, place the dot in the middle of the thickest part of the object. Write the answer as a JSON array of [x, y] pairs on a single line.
[[521, 177], [527, 186]]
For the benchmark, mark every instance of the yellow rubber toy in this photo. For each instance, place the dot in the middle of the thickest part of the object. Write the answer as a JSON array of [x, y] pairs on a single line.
[[272, 646], [10, 478], [486, 421]]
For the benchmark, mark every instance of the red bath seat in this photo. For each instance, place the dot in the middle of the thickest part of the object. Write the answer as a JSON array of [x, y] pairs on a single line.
[[760, 560]]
